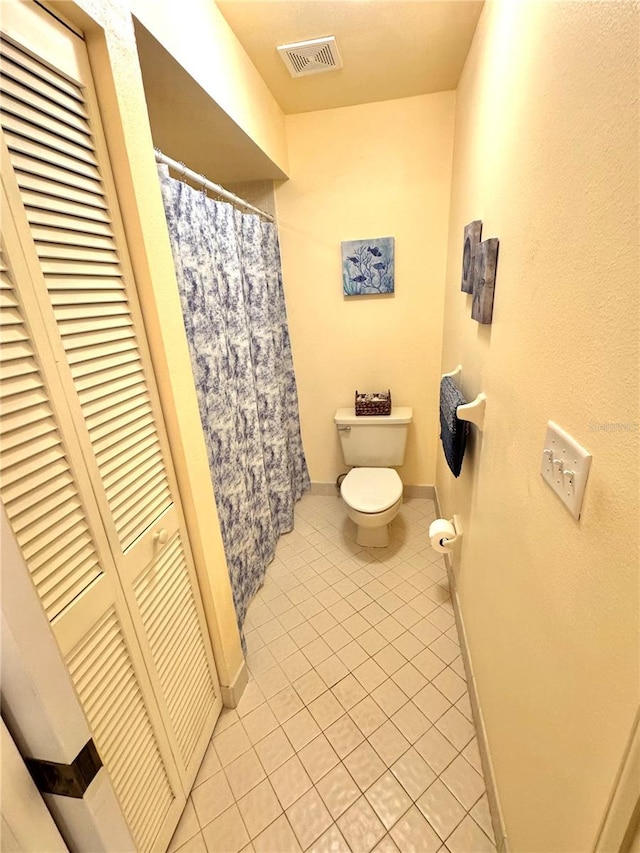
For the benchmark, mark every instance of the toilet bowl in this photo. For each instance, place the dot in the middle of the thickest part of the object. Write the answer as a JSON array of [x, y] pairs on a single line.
[[372, 490], [373, 497]]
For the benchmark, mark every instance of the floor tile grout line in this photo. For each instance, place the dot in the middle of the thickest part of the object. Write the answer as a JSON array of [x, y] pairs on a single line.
[[353, 569], [342, 762]]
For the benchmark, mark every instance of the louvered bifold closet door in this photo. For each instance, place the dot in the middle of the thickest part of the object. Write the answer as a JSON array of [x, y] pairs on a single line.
[[48, 500], [62, 197], [53, 154]]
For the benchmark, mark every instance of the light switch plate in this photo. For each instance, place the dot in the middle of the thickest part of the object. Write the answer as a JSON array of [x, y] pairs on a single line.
[[565, 467]]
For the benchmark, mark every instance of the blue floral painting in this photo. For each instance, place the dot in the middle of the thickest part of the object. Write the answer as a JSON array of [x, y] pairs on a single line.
[[367, 266]]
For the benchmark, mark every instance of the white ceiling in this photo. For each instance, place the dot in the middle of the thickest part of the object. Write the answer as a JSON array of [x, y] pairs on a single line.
[[389, 48]]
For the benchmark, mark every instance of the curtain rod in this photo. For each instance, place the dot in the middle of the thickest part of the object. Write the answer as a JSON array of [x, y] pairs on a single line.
[[184, 172]]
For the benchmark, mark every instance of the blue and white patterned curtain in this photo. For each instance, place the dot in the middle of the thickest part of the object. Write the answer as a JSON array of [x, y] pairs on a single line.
[[229, 275]]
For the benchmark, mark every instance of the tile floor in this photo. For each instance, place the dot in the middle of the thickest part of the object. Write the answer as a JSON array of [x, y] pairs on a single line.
[[355, 730]]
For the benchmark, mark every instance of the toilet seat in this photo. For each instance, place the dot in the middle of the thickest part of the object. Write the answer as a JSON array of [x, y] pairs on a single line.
[[371, 490]]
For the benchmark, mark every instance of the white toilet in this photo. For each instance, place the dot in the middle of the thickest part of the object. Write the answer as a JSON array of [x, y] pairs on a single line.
[[372, 490]]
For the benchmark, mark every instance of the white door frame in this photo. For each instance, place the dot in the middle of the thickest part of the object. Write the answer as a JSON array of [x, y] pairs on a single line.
[[27, 825]]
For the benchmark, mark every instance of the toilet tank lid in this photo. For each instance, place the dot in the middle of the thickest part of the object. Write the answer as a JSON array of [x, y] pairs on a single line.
[[348, 417]]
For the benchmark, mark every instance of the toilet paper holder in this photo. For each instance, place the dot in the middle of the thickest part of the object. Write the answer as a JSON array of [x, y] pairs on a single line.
[[444, 540]]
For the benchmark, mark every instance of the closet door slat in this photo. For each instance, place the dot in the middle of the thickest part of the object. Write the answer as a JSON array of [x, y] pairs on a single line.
[[89, 382], [30, 443], [128, 412], [62, 221], [166, 581], [118, 393], [65, 289], [64, 206], [85, 191], [76, 325], [12, 421], [19, 435], [76, 239], [36, 72], [15, 72], [42, 120], [18, 129], [124, 444], [106, 683], [65, 177], [90, 372]]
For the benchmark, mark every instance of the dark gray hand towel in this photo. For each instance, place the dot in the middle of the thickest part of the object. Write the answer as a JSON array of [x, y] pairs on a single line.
[[453, 431]]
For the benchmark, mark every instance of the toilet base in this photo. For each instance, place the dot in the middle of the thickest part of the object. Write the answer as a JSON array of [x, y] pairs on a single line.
[[373, 528], [373, 537]]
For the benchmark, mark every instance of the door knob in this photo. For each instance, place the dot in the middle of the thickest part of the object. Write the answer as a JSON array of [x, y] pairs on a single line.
[[160, 536]]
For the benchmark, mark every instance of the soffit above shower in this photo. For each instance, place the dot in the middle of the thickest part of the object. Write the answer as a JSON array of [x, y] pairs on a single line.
[[185, 119], [388, 49]]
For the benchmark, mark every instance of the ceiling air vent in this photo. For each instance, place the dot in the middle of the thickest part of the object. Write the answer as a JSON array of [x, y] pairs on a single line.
[[311, 57]]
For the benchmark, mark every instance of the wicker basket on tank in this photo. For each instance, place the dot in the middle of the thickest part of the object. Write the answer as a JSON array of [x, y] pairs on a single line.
[[377, 403]]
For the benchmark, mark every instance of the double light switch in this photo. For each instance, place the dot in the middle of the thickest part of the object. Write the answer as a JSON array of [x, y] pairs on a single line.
[[565, 467]]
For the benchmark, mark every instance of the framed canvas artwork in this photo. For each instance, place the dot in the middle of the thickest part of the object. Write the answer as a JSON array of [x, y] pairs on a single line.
[[485, 280], [368, 266], [472, 234]]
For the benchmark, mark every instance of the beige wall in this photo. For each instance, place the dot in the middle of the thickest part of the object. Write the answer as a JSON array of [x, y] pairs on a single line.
[[374, 170], [546, 154]]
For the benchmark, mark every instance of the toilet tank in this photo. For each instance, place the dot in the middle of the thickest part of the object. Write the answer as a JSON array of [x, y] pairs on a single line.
[[373, 441]]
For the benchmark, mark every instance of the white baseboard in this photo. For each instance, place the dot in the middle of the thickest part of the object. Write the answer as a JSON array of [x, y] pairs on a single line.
[[620, 828], [232, 693], [324, 489], [497, 818], [419, 492]]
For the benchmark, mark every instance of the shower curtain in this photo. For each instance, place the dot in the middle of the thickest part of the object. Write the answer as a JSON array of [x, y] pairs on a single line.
[[228, 270]]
